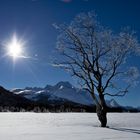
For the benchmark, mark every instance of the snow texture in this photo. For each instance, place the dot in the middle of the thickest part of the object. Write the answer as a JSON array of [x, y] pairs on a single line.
[[68, 126]]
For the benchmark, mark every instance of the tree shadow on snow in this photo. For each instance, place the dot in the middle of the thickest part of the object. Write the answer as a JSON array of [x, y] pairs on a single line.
[[126, 130]]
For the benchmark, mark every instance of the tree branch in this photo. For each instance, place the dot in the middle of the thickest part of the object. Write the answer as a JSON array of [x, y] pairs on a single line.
[[119, 93]]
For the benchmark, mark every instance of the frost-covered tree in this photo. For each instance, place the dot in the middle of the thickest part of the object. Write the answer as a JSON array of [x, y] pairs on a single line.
[[98, 58]]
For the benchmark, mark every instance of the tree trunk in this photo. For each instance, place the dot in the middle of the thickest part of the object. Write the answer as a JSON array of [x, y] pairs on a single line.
[[102, 115], [101, 110]]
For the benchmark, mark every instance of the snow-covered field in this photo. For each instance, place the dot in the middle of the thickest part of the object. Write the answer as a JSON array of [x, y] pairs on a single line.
[[68, 126]]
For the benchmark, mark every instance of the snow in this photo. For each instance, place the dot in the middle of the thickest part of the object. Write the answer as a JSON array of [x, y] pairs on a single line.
[[68, 126], [61, 87], [25, 91], [40, 92], [112, 103], [74, 95]]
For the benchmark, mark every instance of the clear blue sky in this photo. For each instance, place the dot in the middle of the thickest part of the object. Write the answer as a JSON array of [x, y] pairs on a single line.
[[32, 21]]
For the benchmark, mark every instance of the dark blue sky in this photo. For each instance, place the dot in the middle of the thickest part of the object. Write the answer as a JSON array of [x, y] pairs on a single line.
[[32, 21]]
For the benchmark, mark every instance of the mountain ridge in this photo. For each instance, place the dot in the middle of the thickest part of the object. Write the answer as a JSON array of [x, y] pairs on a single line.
[[61, 97], [61, 90]]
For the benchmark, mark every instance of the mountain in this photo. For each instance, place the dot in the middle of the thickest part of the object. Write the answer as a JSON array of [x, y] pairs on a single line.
[[10, 99], [112, 103], [62, 96], [62, 92]]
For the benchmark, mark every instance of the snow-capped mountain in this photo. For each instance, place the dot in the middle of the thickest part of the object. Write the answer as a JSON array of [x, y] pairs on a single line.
[[59, 92], [62, 90], [112, 103]]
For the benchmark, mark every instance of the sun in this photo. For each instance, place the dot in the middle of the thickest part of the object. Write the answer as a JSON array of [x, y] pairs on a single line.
[[15, 47]]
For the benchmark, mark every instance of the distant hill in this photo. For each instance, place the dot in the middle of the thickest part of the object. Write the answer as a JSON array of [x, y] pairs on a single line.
[[9, 99]]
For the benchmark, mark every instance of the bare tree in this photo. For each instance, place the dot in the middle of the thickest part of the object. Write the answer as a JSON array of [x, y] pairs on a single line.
[[98, 57]]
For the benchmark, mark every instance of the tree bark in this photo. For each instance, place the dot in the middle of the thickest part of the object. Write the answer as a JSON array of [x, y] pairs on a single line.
[[102, 115], [102, 111]]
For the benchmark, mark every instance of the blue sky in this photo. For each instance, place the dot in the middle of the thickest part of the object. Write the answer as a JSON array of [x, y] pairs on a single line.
[[32, 21]]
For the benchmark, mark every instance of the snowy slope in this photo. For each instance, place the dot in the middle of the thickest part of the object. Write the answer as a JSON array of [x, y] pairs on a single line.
[[112, 103], [67, 91], [68, 126]]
